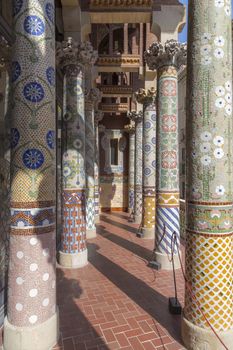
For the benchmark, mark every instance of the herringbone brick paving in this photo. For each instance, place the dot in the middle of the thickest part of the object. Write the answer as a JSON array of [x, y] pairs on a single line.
[[116, 301]]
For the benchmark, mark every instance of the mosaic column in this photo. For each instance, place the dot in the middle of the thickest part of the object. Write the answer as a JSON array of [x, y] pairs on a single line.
[[209, 254], [73, 58], [98, 117], [147, 98], [131, 130], [32, 319], [137, 118], [91, 100], [167, 59]]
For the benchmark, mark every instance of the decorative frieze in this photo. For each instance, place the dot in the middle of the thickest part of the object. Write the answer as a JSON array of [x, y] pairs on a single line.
[[120, 4], [114, 107]]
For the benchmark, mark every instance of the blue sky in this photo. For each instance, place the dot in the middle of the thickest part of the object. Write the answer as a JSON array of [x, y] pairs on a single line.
[[183, 35]]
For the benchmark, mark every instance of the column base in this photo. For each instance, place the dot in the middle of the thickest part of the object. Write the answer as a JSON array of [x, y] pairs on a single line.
[[97, 219], [196, 338], [137, 219], [91, 233], [164, 261], [148, 233], [41, 337], [73, 261]]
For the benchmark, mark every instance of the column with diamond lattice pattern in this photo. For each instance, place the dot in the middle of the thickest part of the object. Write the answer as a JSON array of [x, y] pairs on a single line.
[[147, 99], [73, 58], [137, 212], [209, 254], [32, 318], [91, 100], [167, 59], [130, 128]]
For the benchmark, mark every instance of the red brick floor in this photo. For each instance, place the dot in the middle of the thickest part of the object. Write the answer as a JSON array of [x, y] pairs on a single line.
[[116, 301]]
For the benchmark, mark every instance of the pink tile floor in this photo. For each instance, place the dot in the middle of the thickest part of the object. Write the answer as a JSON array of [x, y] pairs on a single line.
[[116, 301]]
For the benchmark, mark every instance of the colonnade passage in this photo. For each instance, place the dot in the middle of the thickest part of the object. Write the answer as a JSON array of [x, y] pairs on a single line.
[[95, 194]]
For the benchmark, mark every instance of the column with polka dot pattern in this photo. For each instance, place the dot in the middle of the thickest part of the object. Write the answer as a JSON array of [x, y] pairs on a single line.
[[32, 262]]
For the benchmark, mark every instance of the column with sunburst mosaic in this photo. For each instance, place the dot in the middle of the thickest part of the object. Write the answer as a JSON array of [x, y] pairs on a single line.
[[31, 312]]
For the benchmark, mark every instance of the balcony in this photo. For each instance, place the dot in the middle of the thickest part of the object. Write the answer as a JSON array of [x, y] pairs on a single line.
[[116, 90], [117, 11], [118, 63], [114, 107]]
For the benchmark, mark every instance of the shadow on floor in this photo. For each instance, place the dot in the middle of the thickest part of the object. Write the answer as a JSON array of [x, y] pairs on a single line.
[[152, 302], [118, 224], [76, 332], [136, 249], [120, 216]]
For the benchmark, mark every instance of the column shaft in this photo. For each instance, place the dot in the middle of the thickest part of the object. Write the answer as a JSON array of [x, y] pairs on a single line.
[[209, 254], [167, 186], [137, 118], [131, 171], [98, 118], [31, 321], [147, 98], [90, 161], [73, 246], [167, 59]]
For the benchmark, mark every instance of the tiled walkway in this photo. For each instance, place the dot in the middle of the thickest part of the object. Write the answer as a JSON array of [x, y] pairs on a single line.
[[116, 301]]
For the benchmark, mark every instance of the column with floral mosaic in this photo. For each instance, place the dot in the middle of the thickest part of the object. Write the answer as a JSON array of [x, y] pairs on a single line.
[[98, 117], [91, 100], [209, 229], [147, 99], [32, 321], [73, 58], [167, 59], [137, 212], [131, 130]]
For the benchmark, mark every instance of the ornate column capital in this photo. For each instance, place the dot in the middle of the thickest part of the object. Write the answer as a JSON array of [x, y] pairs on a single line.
[[172, 53], [144, 96], [130, 128], [71, 53], [135, 116], [93, 97], [98, 116]]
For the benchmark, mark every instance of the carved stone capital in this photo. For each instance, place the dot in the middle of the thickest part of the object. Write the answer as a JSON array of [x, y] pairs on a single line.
[[172, 53], [135, 116], [98, 116], [146, 96], [130, 128], [70, 53], [93, 97]]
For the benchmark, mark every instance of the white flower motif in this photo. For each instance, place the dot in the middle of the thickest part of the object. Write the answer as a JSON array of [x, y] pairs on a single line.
[[220, 102], [219, 53], [228, 97], [228, 109], [227, 10], [206, 136], [220, 190], [206, 60], [219, 40], [219, 3], [218, 153], [205, 38], [218, 140], [205, 49], [206, 160], [228, 85], [219, 90], [205, 147]]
